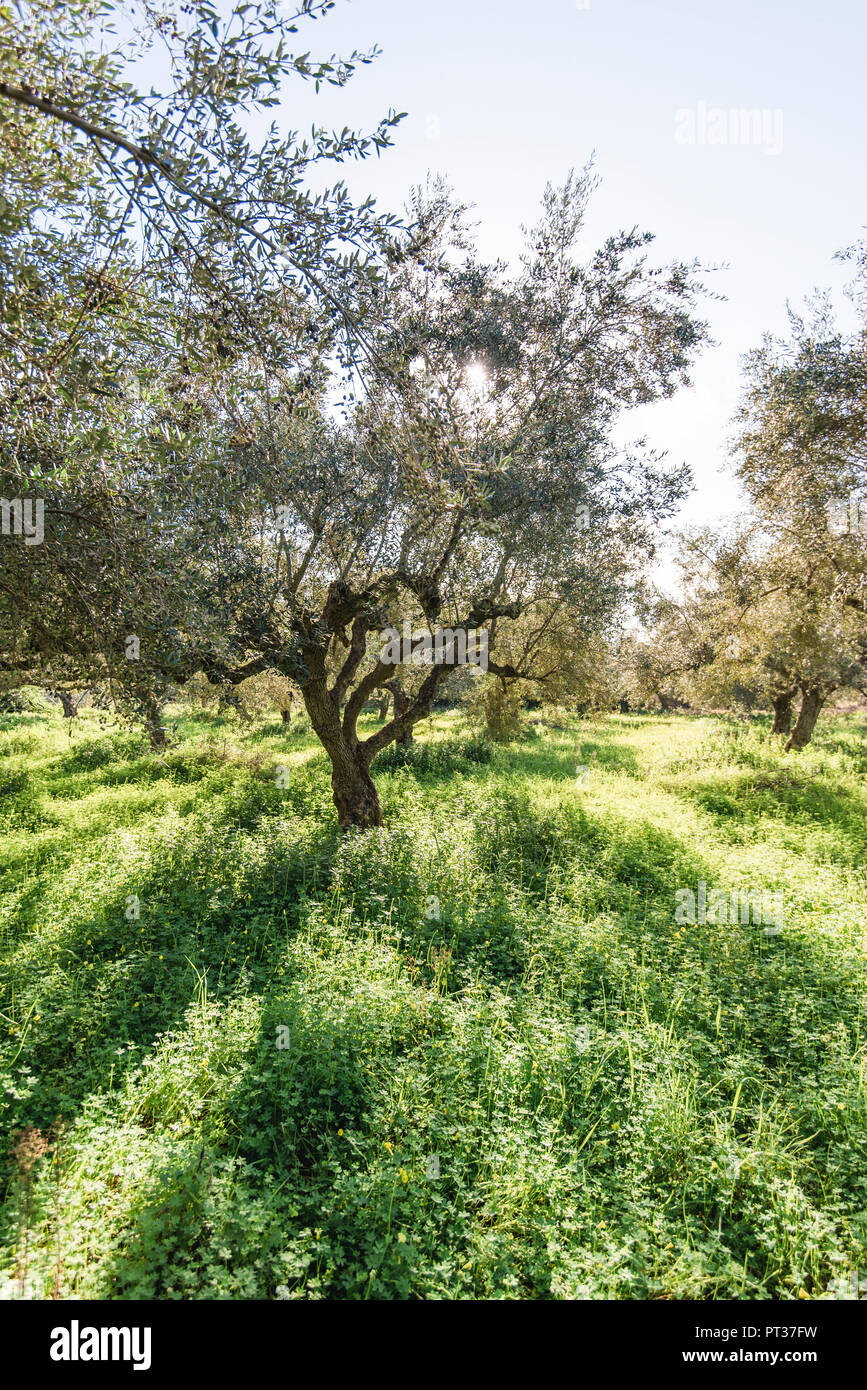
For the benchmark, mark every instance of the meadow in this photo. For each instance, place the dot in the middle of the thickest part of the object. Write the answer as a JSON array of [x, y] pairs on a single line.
[[471, 1055]]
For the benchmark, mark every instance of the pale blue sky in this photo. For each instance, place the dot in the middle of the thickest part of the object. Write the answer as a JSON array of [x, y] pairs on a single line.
[[523, 92]]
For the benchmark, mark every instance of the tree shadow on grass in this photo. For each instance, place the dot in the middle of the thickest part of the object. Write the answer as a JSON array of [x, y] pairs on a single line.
[[750, 797], [433, 763], [532, 864], [273, 1160], [263, 1168], [106, 980], [267, 1159]]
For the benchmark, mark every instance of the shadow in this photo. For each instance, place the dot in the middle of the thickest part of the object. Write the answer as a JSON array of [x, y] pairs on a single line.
[[269, 1169], [100, 981], [288, 1176], [549, 915], [788, 798]]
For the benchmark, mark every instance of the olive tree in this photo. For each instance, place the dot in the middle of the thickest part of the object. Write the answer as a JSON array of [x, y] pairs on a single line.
[[802, 456], [456, 484], [336, 429]]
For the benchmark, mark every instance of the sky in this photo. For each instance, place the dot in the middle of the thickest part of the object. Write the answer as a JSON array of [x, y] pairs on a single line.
[[503, 97]]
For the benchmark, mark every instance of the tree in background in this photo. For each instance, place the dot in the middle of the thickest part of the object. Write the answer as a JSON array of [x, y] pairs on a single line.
[[802, 453], [775, 613]]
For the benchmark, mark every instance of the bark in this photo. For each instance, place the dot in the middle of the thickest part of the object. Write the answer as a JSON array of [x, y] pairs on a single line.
[[782, 706], [355, 795], [812, 700], [156, 732], [334, 710], [401, 705], [229, 700]]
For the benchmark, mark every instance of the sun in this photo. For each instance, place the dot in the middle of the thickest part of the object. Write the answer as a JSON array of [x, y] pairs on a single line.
[[476, 374]]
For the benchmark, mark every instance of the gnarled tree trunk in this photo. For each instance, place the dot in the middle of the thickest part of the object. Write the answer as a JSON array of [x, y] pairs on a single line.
[[782, 706], [355, 795], [334, 716], [812, 700]]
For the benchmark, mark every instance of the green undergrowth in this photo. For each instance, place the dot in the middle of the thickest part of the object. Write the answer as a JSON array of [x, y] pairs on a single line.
[[470, 1055]]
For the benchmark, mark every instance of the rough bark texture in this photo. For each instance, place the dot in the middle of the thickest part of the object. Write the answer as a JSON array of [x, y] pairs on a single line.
[[345, 623], [355, 795], [401, 705], [812, 700], [156, 732], [782, 707]]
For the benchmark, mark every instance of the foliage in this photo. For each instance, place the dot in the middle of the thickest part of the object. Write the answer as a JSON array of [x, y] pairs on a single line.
[[154, 251], [778, 606], [498, 708]]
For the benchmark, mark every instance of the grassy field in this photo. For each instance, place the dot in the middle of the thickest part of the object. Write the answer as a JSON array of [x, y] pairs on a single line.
[[471, 1055]]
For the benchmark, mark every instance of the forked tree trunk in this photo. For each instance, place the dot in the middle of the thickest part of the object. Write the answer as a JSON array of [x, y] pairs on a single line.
[[782, 707], [812, 701], [355, 795], [334, 719]]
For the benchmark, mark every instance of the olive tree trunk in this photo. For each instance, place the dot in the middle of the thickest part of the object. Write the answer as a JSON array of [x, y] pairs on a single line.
[[812, 700], [401, 705], [782, 707], [155, 731], [355, 795]]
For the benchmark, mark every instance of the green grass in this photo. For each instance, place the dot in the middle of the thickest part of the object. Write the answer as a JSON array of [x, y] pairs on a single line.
[[620, 1106]]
